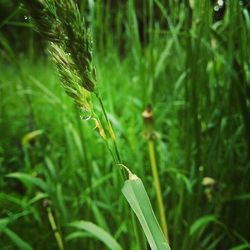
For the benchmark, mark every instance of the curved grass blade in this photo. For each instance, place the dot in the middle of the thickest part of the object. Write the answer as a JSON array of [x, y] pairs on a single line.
[[20, 243], [26, 178], [97, 232], [76, 235], [201, 223], [241, 247]]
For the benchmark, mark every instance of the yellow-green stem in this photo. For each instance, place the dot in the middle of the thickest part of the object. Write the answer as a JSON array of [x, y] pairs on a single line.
[[157, 185], [54, 228], [110, 129]]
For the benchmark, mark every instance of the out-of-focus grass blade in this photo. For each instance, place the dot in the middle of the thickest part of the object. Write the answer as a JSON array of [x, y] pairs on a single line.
[[31, 136], [9, 17], [46, 91], [39, 196], [97, 232], [7, 49], [201, 223], [244, 245], [3, 223], [20, 243], [241, 247], [28, 179], [11, 199], [98, 215], [137, 197], [240, 197], [76, 235], [214, 243], [61, 201]]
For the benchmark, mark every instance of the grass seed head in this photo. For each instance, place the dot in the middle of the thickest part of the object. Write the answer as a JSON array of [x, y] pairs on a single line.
[[61, 23], [70, 78]]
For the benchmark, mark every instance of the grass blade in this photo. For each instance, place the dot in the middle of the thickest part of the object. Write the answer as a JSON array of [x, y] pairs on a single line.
[[137, 197], [20, 243], [28, 179], [201, 223], [97, 232]]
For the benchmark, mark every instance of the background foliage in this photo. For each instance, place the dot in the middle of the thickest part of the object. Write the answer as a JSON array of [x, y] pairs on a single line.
[[190, 61]]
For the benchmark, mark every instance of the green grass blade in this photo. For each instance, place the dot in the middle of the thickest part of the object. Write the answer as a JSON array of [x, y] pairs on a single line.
[[201, 223], [20, 243], [137, 197], [28, 179], [241, 247], [3, 223], [76, 235], [97, 232]]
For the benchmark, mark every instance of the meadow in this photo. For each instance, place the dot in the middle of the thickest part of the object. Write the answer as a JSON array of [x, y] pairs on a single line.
[[174, 78]]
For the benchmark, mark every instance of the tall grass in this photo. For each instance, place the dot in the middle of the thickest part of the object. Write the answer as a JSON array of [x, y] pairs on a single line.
[[195, 73]]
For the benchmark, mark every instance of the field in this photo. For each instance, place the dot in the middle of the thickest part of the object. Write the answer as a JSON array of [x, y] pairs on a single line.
[[174, 78]]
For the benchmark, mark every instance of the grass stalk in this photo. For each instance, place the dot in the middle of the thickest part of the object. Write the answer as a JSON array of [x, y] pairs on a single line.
[[110, 129], [151, 136], [157, 185], [53, 225]]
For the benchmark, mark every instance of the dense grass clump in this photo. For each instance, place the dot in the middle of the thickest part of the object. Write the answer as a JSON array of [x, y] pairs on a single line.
[[171, 79]]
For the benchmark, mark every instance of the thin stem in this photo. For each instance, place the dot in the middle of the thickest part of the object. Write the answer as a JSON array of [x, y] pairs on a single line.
[[117, 152], [55, 229], [110, 129], [110, 150], [158, 188]]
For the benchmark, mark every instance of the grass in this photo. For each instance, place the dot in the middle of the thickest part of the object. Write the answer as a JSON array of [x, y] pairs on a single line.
[[194, 73]]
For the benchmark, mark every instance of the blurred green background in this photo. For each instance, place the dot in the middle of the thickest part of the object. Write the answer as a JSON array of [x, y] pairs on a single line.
[[190, 60]]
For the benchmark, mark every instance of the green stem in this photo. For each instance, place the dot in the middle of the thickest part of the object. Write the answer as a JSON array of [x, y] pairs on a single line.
[[158, 188], [55, 229], [139, 236], [110, 129]]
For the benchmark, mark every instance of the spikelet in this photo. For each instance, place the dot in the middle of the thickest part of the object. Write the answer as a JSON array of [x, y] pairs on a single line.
[[70, 78], [78, 41], [60, 23]]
